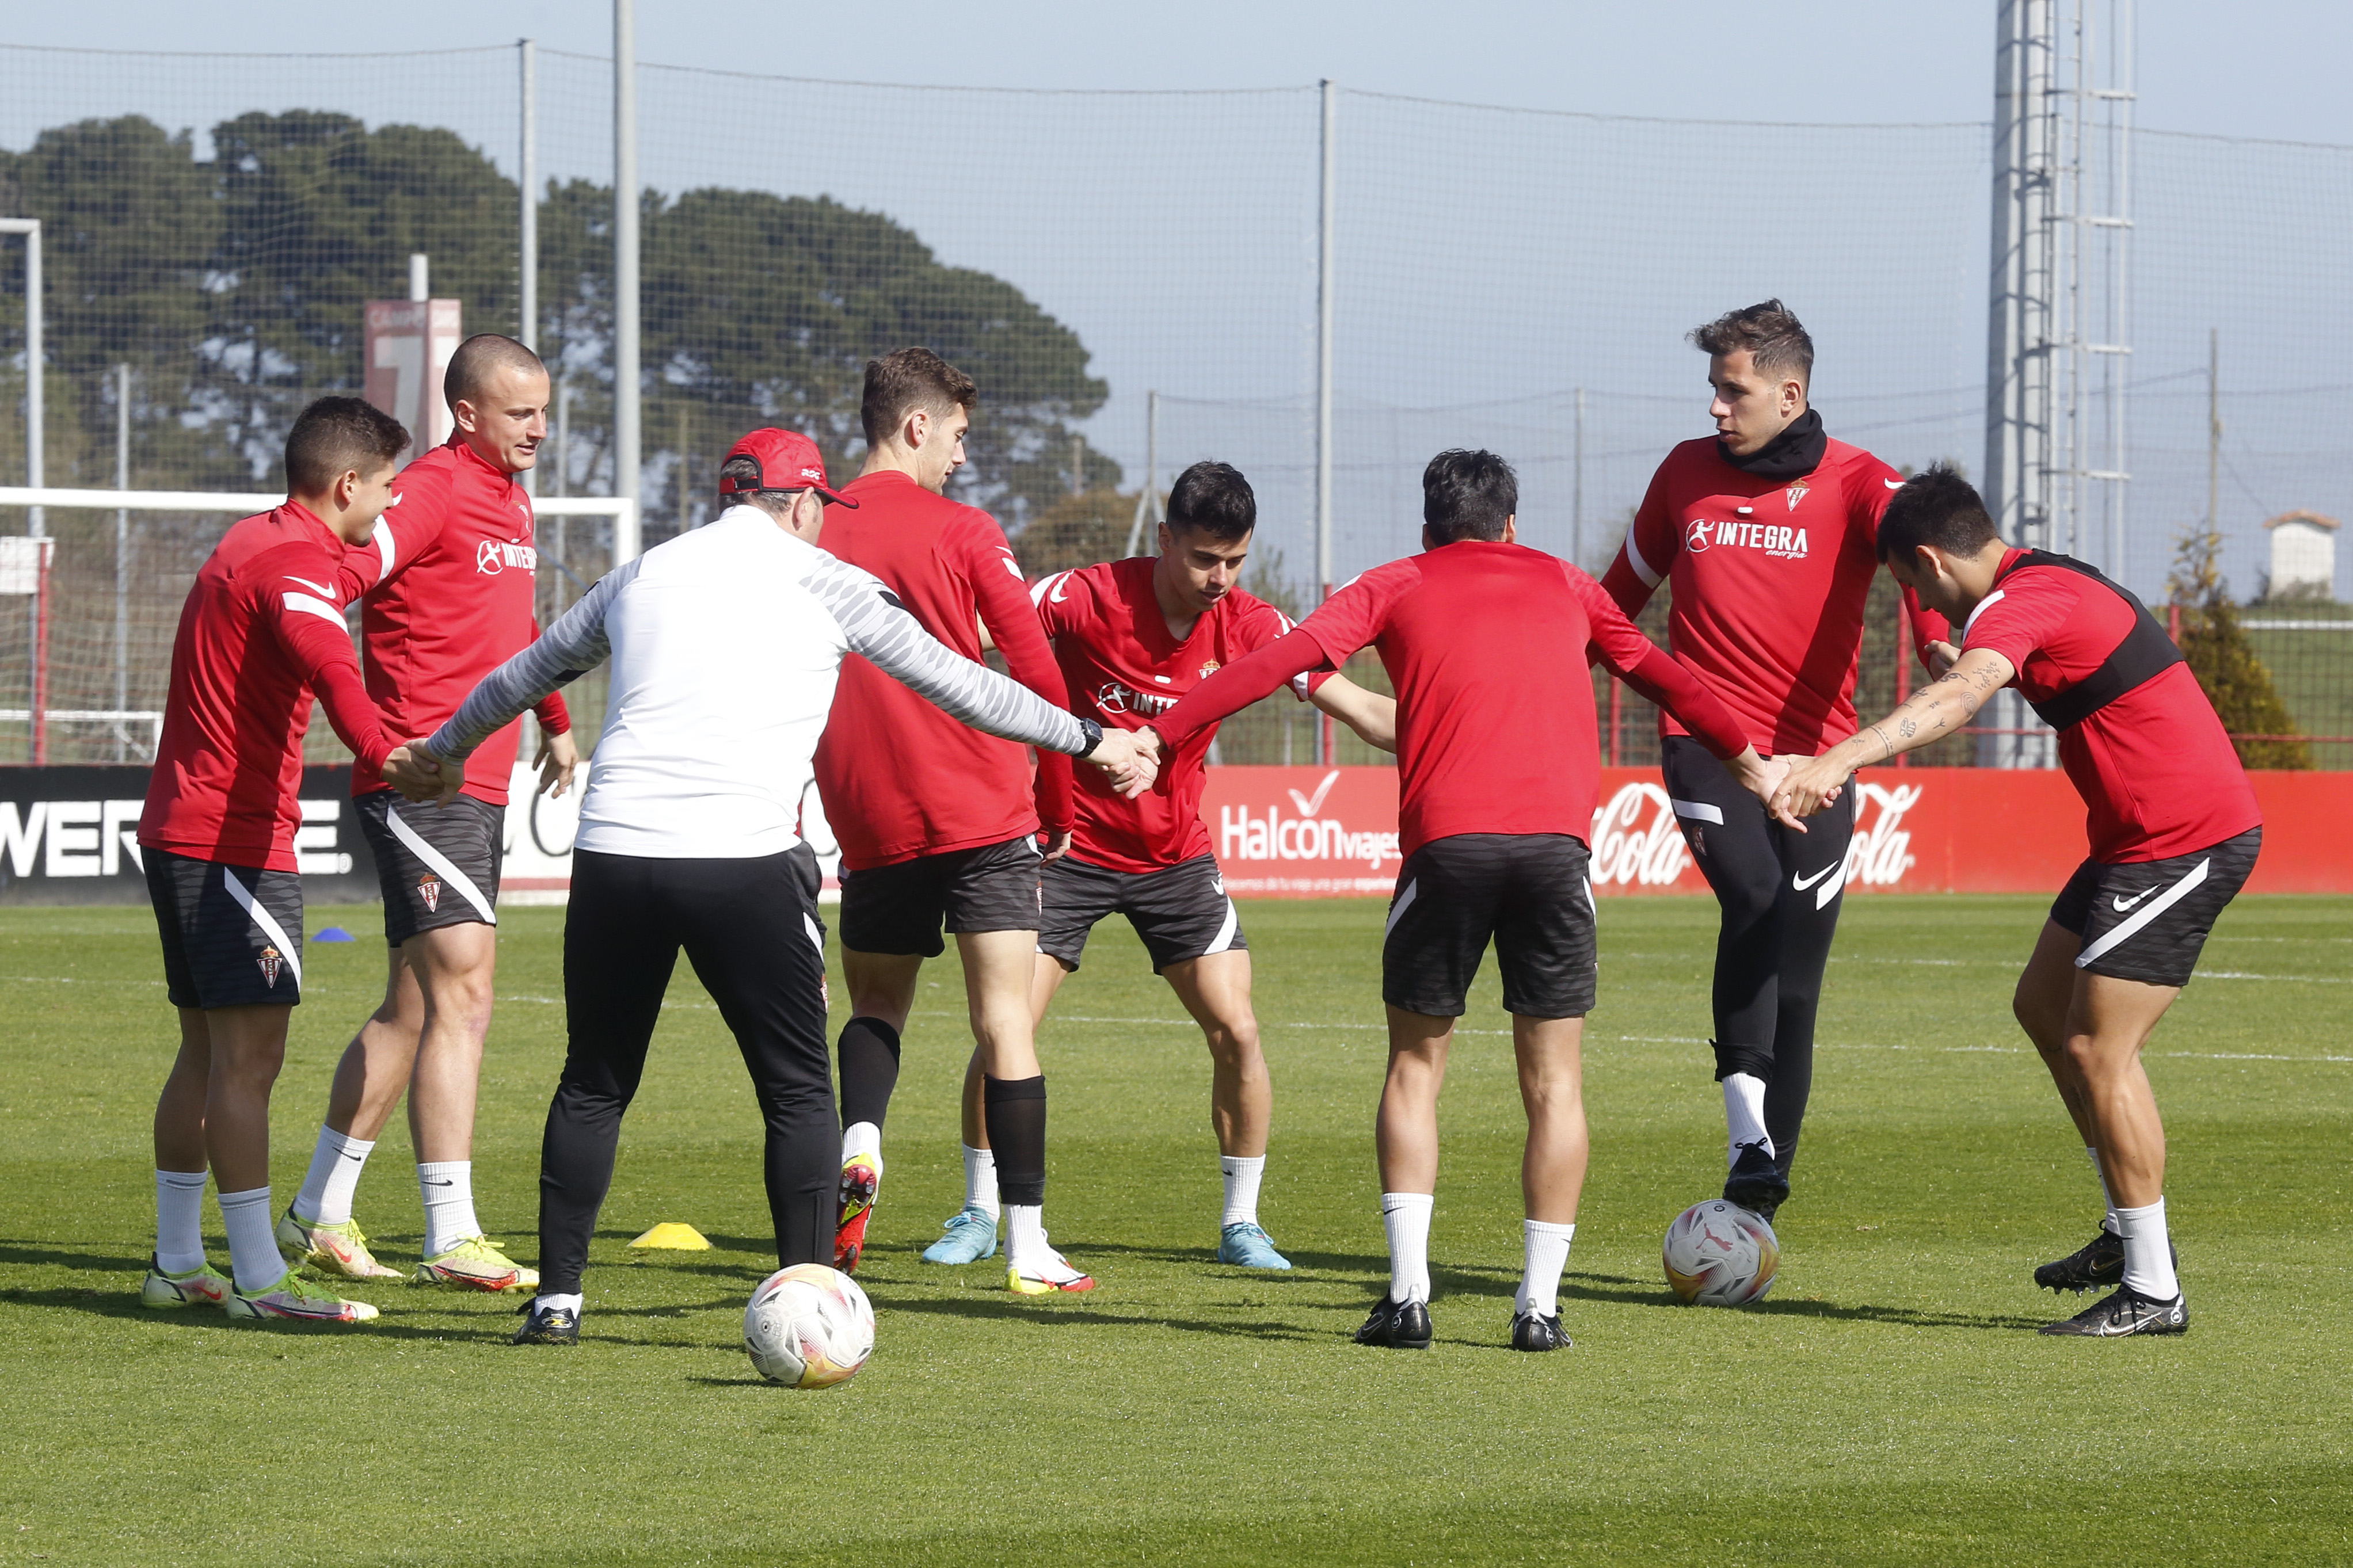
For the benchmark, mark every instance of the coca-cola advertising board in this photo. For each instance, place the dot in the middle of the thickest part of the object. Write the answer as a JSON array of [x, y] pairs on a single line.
[[1327, 832]]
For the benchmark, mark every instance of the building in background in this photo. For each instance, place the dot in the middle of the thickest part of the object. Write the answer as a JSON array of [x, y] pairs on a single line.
[[2304, 555]]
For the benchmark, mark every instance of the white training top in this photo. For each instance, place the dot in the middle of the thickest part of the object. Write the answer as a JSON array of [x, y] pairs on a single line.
[[726, 643]]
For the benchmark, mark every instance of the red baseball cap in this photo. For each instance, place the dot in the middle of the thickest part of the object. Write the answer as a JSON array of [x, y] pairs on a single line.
[[787, 459]]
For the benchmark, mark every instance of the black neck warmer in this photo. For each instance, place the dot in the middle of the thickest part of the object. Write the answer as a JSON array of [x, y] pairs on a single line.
[[1796, 452]]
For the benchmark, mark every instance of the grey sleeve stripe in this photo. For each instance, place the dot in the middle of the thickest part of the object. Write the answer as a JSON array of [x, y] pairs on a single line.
[[575, 645], [878, 626]]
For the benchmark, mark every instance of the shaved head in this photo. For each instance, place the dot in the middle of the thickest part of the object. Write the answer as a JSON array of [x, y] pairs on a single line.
[[479, 361]]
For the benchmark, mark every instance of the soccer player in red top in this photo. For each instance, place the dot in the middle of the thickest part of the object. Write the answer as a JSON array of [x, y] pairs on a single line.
[[938, 824], [449, 579], [1132, 637], [1487, 644], [2174, 831], [1764, 536], [262, 631]]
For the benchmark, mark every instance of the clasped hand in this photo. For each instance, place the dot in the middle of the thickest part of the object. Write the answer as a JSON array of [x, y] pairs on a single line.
[[1811, 784], [1790, 786], [416, 774], [1129, 760]]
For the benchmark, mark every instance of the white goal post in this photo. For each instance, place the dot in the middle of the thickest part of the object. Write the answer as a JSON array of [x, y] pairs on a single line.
[[29, 577], [620, 508]]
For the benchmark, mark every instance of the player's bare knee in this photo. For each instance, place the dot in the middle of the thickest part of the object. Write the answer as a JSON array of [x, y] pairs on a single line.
[[1235, 1045]]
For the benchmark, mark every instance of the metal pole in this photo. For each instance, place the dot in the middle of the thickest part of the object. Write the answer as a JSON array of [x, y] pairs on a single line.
[[527, 236], [564, 471], [420, 277], [36, 443], [36, 415], [2214, 430], [2022, 335], [563, 438], [122, 563], [1577, 501], [1327, 236], [1147, 502], [628, 436], [527, 163]]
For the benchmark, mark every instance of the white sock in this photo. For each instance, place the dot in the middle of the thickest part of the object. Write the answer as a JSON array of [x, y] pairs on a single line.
[[863, 1138], [253, 1255], [568, 1303], [1547, 1255], [1242, 1172], [980, 1180], [448, 1187], [1406, 1217], [2149, 1255], [1744, 1114], [333, 1177], [2108, 1224], [179, 1221], [1025, 1236]]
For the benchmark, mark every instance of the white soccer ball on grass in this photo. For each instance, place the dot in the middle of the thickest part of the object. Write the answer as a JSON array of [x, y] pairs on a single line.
[[1720, 1255], [808, 1327]]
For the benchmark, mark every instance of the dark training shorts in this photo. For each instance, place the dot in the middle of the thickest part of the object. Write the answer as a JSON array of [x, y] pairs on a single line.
[[1528, 891], [438, 865], [2148, 920], [232, 934], [1180, 911], [901, 908]]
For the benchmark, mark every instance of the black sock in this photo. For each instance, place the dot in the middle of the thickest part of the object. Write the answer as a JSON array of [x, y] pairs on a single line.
[[1014, 1110], [869, 1053]]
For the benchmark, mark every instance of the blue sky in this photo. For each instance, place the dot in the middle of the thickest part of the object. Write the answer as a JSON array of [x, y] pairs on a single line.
[[1490, 263]]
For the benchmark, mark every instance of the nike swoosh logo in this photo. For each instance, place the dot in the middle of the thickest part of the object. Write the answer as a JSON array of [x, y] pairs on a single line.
[[2123, 904], [1892, 484], [440, 1182], [349, 1155], [318, 588], [1802, 883]]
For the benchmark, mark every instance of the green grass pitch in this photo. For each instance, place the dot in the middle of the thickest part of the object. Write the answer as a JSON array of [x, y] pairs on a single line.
[[1889, 1404]]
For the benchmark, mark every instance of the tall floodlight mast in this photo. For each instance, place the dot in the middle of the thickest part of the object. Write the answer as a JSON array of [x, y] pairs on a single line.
[[2057, 341]]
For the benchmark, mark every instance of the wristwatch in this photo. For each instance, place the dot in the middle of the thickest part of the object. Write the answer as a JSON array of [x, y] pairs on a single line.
[[1094, 733]]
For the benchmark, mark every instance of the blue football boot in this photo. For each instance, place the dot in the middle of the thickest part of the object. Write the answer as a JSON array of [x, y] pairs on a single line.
[[1245, 1245], [971, 1237]]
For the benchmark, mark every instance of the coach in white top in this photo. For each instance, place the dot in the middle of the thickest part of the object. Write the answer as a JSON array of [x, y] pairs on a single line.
[[725, 644]]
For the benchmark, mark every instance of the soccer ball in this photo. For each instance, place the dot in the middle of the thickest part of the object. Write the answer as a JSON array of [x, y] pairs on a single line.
[[808, 1327], [1720, 1255]]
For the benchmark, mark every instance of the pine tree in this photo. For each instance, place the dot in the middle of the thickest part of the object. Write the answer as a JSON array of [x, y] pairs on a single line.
[[2235, 681]]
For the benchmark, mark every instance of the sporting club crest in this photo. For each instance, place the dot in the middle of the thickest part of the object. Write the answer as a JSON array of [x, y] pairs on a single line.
[[430, 891], [1796, 493], [271, 962]]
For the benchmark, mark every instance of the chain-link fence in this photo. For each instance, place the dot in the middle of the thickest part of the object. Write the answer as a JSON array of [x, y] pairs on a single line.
[[1507, 279]]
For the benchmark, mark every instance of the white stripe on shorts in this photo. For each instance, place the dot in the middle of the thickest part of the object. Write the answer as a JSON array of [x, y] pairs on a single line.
[[1404, 902], [1225, 937], [266, 920], [2154, 908], [441, 864]]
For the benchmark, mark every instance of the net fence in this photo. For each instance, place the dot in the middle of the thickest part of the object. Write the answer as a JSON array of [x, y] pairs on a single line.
[[1514, 279]]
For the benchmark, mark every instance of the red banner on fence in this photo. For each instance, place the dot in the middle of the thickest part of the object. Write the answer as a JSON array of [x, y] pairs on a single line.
[[1322, 832]]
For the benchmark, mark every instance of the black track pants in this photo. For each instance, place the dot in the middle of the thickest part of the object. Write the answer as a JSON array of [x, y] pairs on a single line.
[[1780, 893], [750, 929]]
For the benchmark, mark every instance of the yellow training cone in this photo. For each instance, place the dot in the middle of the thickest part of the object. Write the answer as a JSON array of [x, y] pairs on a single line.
[[675, 1236]]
